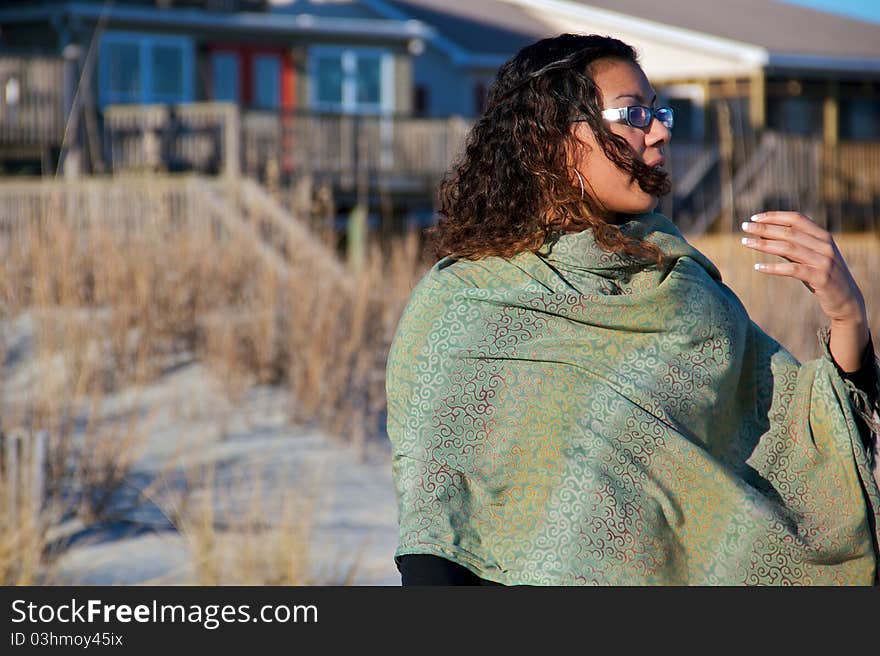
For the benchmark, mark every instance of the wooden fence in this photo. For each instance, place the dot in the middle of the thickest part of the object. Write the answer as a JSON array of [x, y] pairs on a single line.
[[141, 205], [31, 101], [214, 210], [837, 186]]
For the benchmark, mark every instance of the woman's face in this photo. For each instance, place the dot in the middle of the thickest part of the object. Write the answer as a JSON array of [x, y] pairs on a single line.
[[621, 83]]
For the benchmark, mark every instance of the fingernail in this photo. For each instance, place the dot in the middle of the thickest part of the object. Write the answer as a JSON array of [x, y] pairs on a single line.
[[760, 266], [746, 226], [745, 241], [756, 217]]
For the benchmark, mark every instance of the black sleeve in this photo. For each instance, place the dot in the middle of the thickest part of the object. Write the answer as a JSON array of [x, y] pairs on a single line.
[[425, 569], [865, 377]]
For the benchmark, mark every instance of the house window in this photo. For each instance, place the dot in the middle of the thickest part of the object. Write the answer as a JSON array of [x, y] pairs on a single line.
[[267, 81], [688, 105], [328, 72], [123, 71], [481, 94], [796, 115], [144, 68], [420, 100], [224, 77], [351, 80], [368, 78], [860, 119], [168, 71], [684, 111]]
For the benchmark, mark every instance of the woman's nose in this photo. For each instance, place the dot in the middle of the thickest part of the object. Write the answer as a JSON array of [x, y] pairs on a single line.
[[658, 134]]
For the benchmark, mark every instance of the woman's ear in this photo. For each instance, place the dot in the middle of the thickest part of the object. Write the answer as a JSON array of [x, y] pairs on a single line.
[[576, 143]]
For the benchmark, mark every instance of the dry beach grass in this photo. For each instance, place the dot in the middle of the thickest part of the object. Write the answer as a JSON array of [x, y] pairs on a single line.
[[114, 308], [116, 305]]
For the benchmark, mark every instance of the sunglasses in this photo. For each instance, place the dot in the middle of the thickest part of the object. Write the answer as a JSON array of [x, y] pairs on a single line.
[[638, 116]]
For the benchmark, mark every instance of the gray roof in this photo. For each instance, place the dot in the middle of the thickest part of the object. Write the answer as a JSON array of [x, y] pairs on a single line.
[[269, 24], [489, 26], [777, 26], [478, 26]]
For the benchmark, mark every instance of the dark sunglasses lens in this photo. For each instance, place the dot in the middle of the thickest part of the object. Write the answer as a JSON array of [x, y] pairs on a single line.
[[664, 115], [638, 116]]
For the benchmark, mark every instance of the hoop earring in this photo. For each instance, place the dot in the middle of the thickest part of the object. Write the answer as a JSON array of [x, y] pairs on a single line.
[[580, 180]]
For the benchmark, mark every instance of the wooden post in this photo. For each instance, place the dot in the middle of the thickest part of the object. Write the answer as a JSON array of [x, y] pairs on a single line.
[[357, 219], [758, 101], [725, 147], [231, 141], [830, 182], [70, 156], [830, 115], [22, 460]]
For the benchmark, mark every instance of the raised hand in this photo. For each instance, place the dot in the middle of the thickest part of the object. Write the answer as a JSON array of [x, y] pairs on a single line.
[[813, 258]]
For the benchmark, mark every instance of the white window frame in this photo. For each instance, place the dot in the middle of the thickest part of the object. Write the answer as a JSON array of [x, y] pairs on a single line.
[[348, 56], [146, 42]]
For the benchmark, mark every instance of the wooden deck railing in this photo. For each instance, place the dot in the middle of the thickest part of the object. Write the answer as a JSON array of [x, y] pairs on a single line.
[[349, 146], [209, 138], [202, 137], [31, 101]]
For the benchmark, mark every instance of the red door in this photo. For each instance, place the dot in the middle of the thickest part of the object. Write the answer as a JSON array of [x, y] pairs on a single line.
[[266, 77]]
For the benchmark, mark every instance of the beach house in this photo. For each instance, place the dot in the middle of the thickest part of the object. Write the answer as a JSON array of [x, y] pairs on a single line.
[[776, 105]]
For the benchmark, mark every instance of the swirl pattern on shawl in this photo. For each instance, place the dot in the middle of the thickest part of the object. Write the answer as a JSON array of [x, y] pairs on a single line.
[[574, 417]]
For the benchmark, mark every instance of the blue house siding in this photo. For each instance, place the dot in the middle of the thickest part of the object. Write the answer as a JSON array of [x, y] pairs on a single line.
[[449, 90], [444, 86]]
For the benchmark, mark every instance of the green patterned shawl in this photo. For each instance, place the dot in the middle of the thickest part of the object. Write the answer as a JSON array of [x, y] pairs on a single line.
[[575, 418]]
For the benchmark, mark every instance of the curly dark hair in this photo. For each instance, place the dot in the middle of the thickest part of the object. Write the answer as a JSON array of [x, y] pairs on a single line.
[[512, 189]]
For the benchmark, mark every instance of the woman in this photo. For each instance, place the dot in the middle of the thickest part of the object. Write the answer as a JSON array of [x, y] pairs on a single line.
[[575, 397]]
